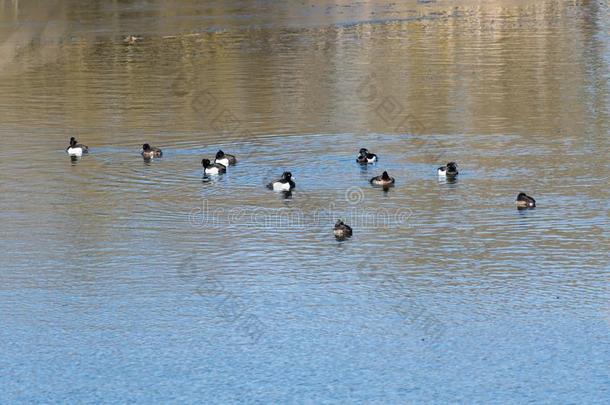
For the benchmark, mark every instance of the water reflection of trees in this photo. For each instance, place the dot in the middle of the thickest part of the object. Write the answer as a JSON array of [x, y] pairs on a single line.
[[308, 66]]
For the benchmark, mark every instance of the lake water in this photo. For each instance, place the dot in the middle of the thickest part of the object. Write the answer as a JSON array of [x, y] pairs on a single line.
[[127, 281]]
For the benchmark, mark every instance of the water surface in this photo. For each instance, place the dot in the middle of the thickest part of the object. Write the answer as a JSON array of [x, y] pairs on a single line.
[[134, 282]]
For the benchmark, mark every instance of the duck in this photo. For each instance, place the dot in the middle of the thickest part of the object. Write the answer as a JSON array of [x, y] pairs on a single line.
[[213, 168], [131, 39], [76, 149], [525, 201], [365, 157], [384, 180], [149, 152], [449, 170], [284, 183], [342, 230], [225, 159]]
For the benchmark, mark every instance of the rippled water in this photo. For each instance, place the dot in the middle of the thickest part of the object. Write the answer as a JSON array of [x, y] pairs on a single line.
[[131, 281]]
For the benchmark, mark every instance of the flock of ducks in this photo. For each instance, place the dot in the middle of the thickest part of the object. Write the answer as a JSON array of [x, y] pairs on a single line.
[[285, 183]]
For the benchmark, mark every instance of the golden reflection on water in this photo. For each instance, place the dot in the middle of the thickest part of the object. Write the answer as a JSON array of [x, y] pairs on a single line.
[[537, 68]]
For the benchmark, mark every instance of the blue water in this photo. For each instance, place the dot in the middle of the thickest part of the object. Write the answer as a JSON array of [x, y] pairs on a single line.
[[123, 281]]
